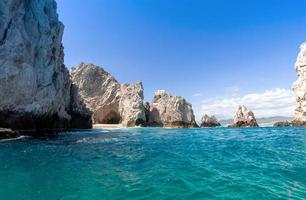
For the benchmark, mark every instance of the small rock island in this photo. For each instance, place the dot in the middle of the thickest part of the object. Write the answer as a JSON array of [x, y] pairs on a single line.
[[244, 118], [209, 121], [171, 111]]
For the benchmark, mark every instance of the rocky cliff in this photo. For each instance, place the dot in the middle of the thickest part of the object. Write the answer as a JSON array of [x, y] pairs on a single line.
[[35, 89], [299, 87], [110, 102], [244, 118], [209, 121], [170, 111]]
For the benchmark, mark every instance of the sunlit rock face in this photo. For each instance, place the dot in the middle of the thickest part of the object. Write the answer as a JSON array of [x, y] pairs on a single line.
[[299, 87], [171, 111], [35, 89], [244, 118], [110, 102], [131, 105], [209, 121]]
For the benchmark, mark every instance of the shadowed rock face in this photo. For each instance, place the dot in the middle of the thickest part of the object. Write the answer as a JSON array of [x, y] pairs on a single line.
[[209, 121], [244, 118], [171, 111], [299, 87], [110, 102], [35, 89]]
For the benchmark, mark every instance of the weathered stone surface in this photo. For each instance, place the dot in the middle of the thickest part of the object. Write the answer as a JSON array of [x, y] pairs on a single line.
[[209, 121], [100, 91], [131, 106], [244, 118], [299, 87], [286, 123], [298, 123], [171, 111], [110, 102], [80, 114], [34, 83]]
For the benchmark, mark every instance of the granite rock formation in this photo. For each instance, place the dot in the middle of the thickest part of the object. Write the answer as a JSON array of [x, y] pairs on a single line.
[[209, 121], [110, 102], [131, 106], [299, 87], [35, 89], [171, 111], [244, 118]]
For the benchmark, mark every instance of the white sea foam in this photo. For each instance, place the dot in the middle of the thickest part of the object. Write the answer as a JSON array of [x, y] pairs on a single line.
[[17, 138]]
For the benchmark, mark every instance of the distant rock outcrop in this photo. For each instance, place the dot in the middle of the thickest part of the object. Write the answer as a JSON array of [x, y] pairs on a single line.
[[171, 111], [110, 102], [299, 88], [298, 123], [209, 121], [244, 118], [35, 89], [286, 123]]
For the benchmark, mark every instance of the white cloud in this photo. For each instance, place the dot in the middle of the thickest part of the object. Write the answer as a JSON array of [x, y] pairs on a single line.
[[275, 102]]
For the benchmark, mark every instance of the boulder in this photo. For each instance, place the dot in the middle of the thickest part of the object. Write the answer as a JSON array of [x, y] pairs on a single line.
[[299, 87], [35, 88], [171, 111], [209, 121], [244, 118], [110, 102]]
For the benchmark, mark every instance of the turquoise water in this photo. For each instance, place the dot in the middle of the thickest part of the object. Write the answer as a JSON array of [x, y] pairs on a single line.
[[153, 163]]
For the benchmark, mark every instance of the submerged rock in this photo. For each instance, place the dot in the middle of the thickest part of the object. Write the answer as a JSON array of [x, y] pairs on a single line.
[[110, 102], [299, 88], [35, 89], [244, 118], [209, 121], [171, 111]]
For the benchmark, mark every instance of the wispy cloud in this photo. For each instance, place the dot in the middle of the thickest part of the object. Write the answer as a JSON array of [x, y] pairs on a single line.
[[275, 102], [197, 95]]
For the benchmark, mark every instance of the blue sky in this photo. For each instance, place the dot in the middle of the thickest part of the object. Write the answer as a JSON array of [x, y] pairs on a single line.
[[210, 52]]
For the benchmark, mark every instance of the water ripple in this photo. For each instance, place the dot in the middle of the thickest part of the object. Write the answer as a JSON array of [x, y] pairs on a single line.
[[154, 163]]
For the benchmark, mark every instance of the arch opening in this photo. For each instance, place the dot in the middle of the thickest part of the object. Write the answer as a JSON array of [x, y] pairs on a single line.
[[112, 118]]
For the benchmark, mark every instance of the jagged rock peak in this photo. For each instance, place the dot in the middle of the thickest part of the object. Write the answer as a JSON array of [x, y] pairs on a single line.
[[299, 86], [110, 102], [209, 121], [35, 89], [170, 111], [244, 117]]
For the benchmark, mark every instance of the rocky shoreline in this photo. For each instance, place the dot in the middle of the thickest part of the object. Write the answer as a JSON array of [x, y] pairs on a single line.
[[38, 94]]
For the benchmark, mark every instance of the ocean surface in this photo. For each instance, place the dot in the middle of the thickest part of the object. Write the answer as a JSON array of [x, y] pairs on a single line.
[[154, 163]]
